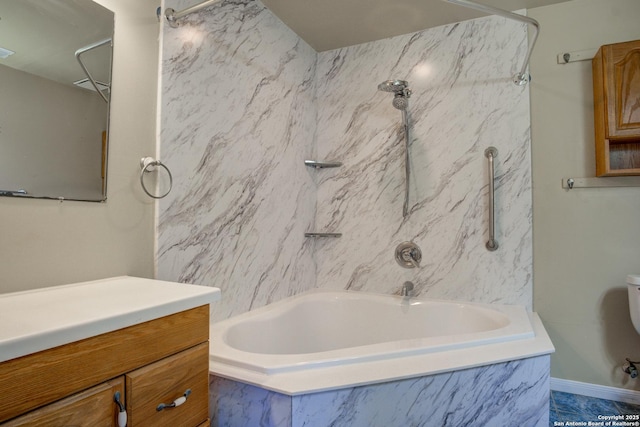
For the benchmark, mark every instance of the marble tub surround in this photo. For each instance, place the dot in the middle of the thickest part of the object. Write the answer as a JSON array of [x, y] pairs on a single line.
[[463, 101], [238, 121], [245, 101], [511, 393]]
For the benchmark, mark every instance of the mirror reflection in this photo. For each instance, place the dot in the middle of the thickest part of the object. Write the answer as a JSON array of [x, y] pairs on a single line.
[[55, 74]]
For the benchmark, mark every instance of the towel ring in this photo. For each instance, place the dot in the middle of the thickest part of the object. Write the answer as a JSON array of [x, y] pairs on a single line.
[[147, 162]]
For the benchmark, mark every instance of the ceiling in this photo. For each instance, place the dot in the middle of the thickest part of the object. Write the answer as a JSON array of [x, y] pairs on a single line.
[[331, 24], [45, 34]]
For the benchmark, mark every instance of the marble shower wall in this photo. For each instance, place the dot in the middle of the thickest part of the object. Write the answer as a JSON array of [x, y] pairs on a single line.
[[463, 101], [245, 101], [238, 121]]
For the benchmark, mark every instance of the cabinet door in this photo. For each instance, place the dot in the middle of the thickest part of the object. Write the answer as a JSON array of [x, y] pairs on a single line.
[[165, 381], [94, 407], [621, 62]]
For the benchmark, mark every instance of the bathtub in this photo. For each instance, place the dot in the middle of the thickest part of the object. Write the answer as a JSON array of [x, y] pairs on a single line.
[[325, 340]]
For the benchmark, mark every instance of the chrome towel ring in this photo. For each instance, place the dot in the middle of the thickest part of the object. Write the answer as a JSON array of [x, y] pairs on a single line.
[[146, 165]]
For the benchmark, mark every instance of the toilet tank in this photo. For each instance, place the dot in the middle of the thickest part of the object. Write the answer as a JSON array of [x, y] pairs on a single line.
[[633, 288]]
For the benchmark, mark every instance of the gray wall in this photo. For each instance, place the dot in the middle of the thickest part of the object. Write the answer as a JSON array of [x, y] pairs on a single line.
[[586, 241], [47, 243]]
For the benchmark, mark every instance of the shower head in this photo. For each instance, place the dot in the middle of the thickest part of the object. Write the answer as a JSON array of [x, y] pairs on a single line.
[[400, 101], [393, 86], [400, 89]]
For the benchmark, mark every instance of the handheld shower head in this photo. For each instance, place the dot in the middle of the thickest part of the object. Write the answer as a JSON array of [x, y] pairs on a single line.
[[401, 102], [401, 94], [400, 89]]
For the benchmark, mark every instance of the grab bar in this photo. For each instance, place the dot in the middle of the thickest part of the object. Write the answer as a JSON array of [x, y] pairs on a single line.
[[492, 245]]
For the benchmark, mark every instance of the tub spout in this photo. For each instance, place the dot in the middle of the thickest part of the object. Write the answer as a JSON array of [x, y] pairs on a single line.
[[407, 289]]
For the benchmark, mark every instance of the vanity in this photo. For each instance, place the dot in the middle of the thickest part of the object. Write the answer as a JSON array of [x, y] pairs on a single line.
[[113, 352]]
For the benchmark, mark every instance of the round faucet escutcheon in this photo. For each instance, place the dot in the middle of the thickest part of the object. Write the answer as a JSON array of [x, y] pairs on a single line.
[[408, 255]]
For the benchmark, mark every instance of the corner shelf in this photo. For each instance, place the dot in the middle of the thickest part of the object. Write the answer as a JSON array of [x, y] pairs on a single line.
[[316, 235], [322, 164]]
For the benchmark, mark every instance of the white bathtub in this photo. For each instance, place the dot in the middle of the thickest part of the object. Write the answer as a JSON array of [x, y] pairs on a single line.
[[331, 339]]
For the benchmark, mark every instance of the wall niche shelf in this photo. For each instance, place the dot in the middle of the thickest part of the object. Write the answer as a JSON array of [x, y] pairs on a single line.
[[322, 164]]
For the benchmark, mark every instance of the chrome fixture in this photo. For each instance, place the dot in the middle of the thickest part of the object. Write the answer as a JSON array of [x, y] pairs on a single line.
[[313, 234], [630, 368], [521, 78], [149, 164], [595, 182], [492, 244], [20, 192], [407, 288], [85, 49], [408, 255], [173, 16], [322, 165], [402, 93]]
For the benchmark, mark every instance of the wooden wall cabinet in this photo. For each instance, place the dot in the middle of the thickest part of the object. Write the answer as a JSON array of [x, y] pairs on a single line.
[[149, 363], [616, 95]]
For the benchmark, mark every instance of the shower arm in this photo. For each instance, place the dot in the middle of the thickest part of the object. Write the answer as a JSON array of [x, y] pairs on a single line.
[[522, 77], [173, 16]]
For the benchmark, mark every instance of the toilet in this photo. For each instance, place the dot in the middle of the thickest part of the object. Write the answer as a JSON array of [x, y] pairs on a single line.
[[633, 287]]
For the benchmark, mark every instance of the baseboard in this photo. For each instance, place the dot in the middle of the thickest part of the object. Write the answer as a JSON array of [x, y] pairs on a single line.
[[595, 390]]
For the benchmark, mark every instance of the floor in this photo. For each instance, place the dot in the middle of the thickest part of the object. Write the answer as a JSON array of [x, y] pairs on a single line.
[[568, 409]]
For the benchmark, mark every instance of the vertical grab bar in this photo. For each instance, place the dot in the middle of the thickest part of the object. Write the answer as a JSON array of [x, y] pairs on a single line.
[[492, 245]]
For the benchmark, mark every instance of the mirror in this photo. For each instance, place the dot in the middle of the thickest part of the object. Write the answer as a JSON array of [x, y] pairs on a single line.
[[53, 117]]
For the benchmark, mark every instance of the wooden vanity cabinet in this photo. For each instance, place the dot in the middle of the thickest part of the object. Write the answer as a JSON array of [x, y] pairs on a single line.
[[616, 95], [91, 407], [165, 381], [150, 363]]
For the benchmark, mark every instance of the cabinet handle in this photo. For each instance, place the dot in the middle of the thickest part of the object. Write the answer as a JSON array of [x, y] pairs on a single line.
[[179, 401], [122, 413]]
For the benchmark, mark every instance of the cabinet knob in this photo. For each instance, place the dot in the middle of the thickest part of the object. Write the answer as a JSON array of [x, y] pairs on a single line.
[[179, 401]]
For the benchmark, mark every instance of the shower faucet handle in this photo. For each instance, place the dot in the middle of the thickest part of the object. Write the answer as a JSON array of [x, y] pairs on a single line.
[[408, 255]]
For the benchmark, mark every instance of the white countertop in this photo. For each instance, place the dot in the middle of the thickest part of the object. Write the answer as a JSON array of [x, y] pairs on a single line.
[[40, 319]]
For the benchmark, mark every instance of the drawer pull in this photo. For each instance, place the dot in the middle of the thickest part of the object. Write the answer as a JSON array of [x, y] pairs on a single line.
[[179, 401], [122, 413]]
